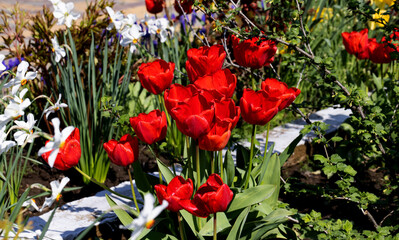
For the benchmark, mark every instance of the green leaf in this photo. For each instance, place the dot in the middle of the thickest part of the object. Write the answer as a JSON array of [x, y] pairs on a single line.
[[236, 230], [251, 196], [272, 177], [336, 139], [166, 173], [222, 224], [142, 182], [329, 170], [229, 168], [349, 170], [122, 215], [320, 158], [190, 220], [317, 59]]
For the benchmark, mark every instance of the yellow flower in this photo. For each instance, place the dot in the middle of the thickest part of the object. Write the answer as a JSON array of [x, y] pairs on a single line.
[[381, 3], [326, 13], [380, 18]]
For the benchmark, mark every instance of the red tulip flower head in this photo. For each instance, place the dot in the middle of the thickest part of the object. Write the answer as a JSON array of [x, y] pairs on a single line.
[[280, 90], [154, 6], [123, 152], [150, 127], [178, 189], [356, 43], [221, 83], [69, 152], [156, 76], [227, 111], [178, 94], [194, 117], [211, 197], [204, 61], [379, 52], [257, 107], [217, 138], [187, 6], [254, 53]]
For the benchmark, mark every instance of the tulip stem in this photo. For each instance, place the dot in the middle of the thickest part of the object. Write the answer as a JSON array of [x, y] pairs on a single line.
[[251, 155], [198, 165], [133, 192], [214, 227], [221, 164], [267, 141], [189, 161], [212, 162], [181, 228], [162, 102]]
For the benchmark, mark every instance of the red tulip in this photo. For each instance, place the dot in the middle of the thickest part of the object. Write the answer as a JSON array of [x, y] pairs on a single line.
[[178, 189], [204, 61], [212, 197], [69, 153], [356, 43], [257, 107], [254, 53], [227, 111], [217, 138], [156, 76], [154, 6], [150, 127], [379, 52], [194, 117], [178, 94], [124, 152], [280, 90], [221, 83], [187, 6]]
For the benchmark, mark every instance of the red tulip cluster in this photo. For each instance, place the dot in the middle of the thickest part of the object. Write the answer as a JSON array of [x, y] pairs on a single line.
[[358, 44], [69, 153], [150, 127], [156, 76], [211, 197], [254, 53], [259, 107], [194, 107]]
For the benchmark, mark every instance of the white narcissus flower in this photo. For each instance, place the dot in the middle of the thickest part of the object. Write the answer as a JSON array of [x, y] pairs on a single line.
[[128, 22], [116, 19], [64, 14], [56, 189], [5, 145], [59, 51], [25, 135], [2, 66], [131, 37], [55, 107], [147, 216], [21, 77], [15, 109], [57, 142], [31, 205], [159, 27]]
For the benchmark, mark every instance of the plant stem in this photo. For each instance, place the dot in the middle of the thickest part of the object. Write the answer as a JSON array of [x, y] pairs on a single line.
[[250, 156], [221, 163], [181, 228], [214, 227], [190, 169], [267, 141], [133, 192], [197, 165], [212, 162], [162, 102]]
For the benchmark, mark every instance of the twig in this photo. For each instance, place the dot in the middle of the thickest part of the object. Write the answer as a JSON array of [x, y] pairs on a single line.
[[275, 72], [371, 218], [389, 214], [301, 75], [307, 45]]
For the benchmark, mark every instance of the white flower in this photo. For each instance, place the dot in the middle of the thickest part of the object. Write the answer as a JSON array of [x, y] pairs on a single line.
[[55, 3], [24, 135], [159, 27], [147, 216], [31, 205], [55, 107], [129, 21], [57, 142], [64, 14], [21, 77], [5, 145], [2, 66], [15, 109], [131, 37], [59, 51], [56, 189], [116, 19]]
